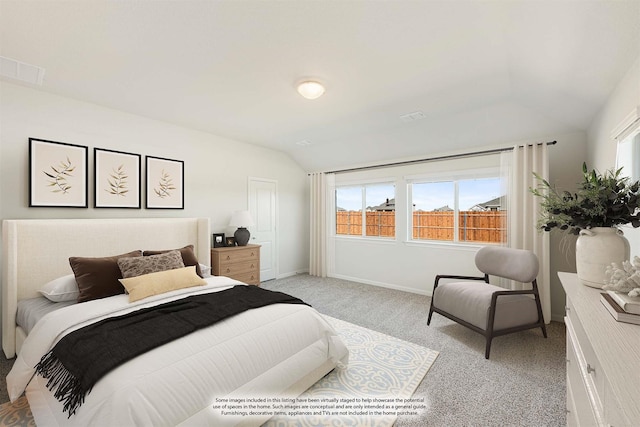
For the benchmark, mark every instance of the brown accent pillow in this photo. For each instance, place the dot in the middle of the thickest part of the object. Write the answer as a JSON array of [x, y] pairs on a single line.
[[188, 256], [138, 266], [98, 277]]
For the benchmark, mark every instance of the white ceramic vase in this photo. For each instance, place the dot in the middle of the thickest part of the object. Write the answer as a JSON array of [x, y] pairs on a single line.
[[596, 249]]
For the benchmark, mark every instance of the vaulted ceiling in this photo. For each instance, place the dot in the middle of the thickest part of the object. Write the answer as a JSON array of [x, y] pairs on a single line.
[[482, 72]]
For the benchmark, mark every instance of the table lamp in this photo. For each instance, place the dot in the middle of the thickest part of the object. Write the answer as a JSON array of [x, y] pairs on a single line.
[[241, 219]]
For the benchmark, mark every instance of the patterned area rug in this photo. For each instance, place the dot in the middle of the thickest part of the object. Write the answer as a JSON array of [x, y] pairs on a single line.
[[16, 414], [380, 368]]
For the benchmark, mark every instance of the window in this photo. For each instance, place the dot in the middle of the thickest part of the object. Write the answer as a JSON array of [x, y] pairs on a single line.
[[464, 210], [366, 210]]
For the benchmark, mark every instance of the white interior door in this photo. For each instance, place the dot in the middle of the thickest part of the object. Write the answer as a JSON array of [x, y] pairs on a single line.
[[263, 196]]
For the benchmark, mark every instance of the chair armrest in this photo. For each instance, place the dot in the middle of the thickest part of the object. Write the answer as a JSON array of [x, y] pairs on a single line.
[[515, 292], [484, 278], [495, 295]]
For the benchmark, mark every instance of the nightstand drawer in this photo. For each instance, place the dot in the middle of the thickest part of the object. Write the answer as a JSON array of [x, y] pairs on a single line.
[[239, 256], [232, 269], [249, 278]]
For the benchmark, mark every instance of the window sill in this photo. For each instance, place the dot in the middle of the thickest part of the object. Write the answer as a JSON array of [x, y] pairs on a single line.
[[382, 240], [443, 244]]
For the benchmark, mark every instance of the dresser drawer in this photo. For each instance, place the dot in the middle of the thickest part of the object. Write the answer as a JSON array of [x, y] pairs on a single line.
[[589, 361], [581, 410]]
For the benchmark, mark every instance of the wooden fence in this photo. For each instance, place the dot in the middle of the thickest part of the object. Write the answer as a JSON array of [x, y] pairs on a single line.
[[489, 226]]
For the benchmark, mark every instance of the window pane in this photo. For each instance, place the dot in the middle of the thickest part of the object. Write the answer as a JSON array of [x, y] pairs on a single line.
[[482, 216], [349, 211], [381, 210], [433, 204]]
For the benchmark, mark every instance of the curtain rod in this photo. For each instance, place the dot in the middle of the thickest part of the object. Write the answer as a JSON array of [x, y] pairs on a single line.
[[431, 159]]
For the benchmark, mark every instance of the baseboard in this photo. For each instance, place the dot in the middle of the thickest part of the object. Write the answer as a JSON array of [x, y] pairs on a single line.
[[381, 284], [292, 273]]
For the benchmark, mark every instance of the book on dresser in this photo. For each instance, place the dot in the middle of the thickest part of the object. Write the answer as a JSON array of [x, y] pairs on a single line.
[[616, 311], [627, 303]]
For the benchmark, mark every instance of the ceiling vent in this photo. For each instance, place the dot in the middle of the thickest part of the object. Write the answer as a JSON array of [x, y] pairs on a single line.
[[412, 117], [20, 71]]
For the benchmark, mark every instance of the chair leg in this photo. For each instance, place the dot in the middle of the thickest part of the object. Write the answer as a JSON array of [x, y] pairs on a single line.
[[488, 348], [544, 329], [430, 314]]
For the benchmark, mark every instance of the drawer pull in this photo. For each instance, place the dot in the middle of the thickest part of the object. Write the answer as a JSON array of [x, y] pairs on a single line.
[[228, 257], [253, 254], [228, 270], [590, 369]]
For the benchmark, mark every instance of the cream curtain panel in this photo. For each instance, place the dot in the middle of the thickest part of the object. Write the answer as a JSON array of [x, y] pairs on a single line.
[[523, 210], [318, 225]]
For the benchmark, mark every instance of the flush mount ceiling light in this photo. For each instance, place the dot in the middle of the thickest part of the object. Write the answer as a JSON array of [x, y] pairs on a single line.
[[310, 89]]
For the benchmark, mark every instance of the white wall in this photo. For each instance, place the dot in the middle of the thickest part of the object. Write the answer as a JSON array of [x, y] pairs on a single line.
[[413, 266], [601, 148], [216, 168]]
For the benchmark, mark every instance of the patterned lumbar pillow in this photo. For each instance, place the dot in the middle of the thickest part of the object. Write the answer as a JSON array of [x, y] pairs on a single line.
[[137, 266], [188, 257]]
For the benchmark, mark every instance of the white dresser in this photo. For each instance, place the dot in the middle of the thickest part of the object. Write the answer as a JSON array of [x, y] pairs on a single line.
[[603, 361]]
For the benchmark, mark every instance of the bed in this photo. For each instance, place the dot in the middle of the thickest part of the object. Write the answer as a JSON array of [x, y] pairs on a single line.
[[277, 350]]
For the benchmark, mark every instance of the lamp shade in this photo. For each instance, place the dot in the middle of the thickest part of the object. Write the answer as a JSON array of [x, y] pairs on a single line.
[[241, 219]]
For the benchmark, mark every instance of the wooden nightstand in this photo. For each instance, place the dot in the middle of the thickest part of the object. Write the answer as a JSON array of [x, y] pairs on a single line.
[[238, 262]]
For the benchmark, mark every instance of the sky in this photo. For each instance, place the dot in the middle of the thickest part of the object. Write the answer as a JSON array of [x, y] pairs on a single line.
[[427, 196]]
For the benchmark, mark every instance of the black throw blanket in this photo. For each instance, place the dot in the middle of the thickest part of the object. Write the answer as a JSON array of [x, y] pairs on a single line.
[[84, 356]]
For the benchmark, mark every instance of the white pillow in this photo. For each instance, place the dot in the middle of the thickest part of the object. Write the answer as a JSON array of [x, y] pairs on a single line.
[[61, 289], [206, 270]]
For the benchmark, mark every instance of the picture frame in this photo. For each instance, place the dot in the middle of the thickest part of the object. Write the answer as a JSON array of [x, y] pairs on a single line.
[[164, 183], [218, 240], [58, 174], [117, 179], [230, 241]]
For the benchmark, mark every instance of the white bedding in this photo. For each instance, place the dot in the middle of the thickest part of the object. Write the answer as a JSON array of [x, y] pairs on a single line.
[[275, 350]]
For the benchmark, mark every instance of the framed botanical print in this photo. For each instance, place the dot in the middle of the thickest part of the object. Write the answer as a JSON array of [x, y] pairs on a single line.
[[164, 183], [58, 174], [117, 179]]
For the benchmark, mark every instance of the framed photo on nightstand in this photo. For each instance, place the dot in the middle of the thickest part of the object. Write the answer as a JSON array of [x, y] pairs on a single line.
[[230, 241], [218, 240]]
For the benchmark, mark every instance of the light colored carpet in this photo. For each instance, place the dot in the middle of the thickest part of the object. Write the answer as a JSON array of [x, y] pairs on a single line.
[[382, 371], [522, 384]]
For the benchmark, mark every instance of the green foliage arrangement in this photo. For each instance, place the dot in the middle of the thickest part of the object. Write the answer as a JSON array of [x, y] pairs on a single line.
[[602, 200]]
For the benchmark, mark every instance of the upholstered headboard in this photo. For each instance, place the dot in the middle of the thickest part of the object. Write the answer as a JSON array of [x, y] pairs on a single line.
[[37, 251]]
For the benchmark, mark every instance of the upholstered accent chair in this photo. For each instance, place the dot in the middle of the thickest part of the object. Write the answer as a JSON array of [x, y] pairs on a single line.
[[487, 309]]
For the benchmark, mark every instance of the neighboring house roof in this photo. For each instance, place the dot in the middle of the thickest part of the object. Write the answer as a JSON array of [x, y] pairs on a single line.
[[388, 205], [490, 205], [444, 208]]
